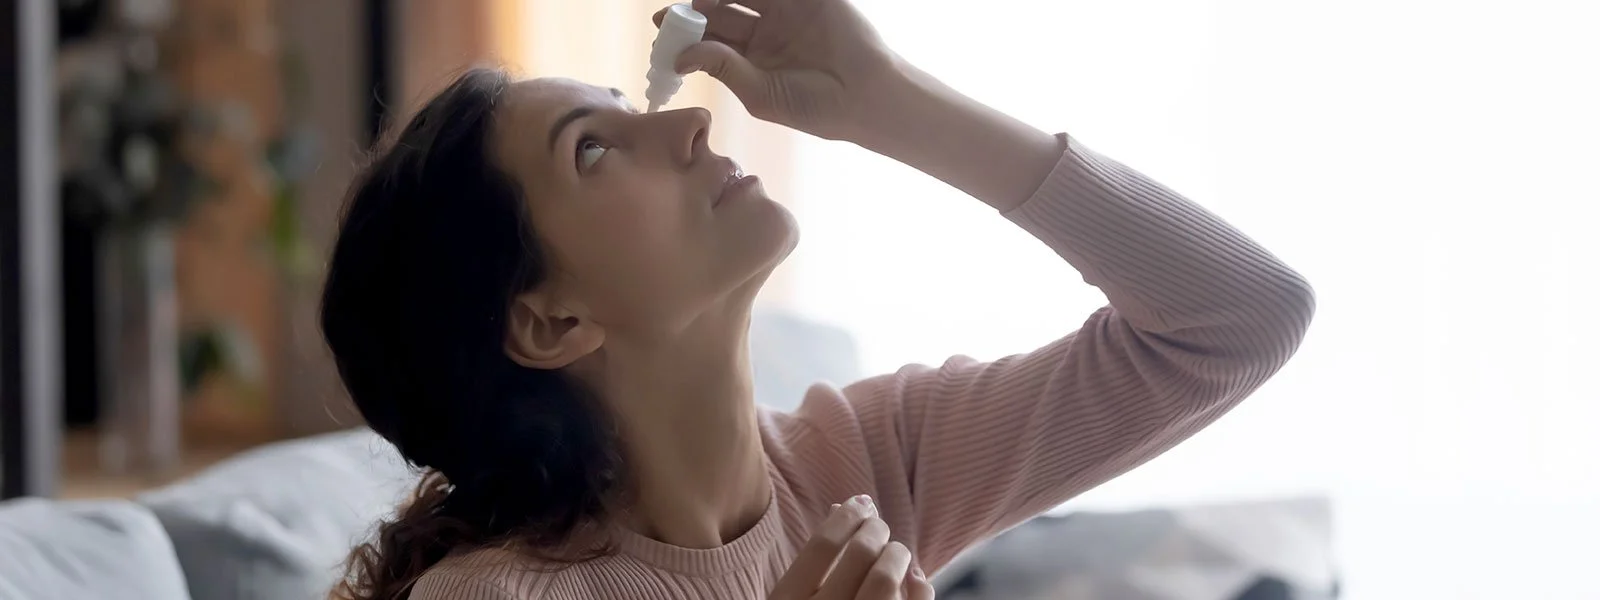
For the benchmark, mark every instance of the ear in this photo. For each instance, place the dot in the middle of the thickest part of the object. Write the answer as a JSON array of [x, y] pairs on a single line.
[[542, 333]]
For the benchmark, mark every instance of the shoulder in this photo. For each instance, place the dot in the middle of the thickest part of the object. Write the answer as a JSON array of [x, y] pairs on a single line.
[[813, 428], [836, 416], [822, 449], [488, 574]]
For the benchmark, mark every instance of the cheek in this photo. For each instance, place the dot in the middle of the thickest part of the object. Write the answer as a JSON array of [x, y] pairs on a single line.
[[643, 221], [633, 244]]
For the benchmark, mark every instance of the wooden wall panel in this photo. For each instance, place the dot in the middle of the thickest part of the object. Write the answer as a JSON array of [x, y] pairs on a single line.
[[226, 56]]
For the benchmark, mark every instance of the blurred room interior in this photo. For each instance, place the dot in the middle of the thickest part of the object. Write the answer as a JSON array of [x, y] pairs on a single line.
[[172, 172], [204, 147]]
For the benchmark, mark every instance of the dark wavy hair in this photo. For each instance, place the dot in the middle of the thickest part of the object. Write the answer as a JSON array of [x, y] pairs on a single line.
[[434, 246]]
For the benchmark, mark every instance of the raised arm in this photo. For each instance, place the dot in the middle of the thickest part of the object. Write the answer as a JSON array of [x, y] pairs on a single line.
[[918, 120], [1200, 314]]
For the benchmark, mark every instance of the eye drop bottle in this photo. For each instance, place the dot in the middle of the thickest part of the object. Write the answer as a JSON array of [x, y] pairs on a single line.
[[681, 27]]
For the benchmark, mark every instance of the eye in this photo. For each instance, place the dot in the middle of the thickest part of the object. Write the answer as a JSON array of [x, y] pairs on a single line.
[[589, 152]]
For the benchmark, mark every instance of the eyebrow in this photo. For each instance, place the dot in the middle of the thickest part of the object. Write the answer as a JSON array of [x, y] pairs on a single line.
[[624, 98], [564, 121], [573, 115]]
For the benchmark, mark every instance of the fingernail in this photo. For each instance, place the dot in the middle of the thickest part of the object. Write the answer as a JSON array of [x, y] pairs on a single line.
[[917, 573], [834, 507], [865, 503]]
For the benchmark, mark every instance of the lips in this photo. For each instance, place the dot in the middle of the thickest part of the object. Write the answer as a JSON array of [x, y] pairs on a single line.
[[732, 175]]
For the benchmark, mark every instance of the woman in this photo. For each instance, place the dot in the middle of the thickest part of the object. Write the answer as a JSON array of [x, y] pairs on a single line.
[[541, 297]]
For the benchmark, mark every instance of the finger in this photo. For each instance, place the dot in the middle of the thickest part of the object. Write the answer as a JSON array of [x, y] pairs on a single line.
[[917, 586], [721, 61], [811, 564], [740, 47], [883, 580], [860, 554], [756, 5], [727, 23], [733, 23]]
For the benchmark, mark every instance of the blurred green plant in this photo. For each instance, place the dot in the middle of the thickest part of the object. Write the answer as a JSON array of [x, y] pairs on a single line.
[[221, 348], [289, 160], [128, 145], [126, 135]]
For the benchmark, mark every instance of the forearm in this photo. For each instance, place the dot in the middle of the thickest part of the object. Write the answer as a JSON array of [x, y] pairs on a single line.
[[922, 122]]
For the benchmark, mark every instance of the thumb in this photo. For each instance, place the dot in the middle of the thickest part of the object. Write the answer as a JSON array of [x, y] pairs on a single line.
[[726, 65], [917, 586]]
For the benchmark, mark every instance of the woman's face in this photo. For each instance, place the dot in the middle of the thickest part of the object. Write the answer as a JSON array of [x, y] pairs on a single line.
[[643, 225]]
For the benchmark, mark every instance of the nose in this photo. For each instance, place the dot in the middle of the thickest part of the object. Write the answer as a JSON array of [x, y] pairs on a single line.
[[687, 133]]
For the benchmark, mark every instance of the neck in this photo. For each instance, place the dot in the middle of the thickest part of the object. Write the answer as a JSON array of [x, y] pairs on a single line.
[[690, 438]]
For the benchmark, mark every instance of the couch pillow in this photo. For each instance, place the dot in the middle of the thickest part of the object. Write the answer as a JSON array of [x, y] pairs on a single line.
[[278, 521], [1273, 550], [85, 549]]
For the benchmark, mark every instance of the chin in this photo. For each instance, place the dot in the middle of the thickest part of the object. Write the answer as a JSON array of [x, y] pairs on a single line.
[[763, 239], [783, 234]]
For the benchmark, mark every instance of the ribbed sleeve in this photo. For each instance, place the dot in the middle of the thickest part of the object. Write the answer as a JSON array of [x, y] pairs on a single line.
[[1200, 316]]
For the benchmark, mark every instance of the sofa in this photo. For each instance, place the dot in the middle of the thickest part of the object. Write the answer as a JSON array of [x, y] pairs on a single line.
[[277, 522]]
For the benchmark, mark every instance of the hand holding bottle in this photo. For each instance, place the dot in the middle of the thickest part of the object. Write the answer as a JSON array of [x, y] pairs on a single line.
[[813, 65]]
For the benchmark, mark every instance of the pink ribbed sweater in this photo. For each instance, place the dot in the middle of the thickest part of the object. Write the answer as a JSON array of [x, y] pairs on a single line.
[[1200, 316]]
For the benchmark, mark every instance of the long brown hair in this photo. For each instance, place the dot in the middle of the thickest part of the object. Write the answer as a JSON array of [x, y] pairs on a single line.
[[434, 245]]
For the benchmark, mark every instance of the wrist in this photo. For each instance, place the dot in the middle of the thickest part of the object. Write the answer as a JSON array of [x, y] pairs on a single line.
[[900, 101], [912, 117]]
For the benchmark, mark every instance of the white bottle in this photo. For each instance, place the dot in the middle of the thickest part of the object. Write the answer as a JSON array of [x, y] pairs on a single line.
[[681, 27]]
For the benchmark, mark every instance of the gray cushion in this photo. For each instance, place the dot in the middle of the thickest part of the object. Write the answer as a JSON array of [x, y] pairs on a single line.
[[1277, 550], [278, 521], [88, 549]]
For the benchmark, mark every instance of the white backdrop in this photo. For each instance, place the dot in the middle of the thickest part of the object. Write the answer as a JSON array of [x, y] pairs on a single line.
[[1431, 166]]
